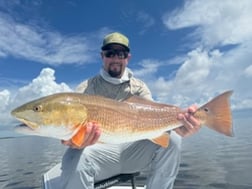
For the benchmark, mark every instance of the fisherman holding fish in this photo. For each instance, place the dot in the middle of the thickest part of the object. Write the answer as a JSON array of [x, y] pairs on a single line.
[[90, 162], [113, 126]]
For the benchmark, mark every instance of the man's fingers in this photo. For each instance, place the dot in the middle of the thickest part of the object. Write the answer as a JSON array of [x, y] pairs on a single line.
[[192, 109], [190, 124], [96, 136], [92, 135], [90, 132]]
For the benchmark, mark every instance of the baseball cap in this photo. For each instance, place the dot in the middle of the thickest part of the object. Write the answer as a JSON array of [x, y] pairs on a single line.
[[115, 38]]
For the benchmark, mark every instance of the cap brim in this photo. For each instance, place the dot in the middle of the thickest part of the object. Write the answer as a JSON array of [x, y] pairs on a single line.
[[107, 46]]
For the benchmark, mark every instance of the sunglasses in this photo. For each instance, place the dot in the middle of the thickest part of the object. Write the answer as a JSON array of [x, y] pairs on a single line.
[[122, 54]]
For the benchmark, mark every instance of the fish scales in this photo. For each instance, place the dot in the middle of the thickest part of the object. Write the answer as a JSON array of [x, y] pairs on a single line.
[[133, 118]]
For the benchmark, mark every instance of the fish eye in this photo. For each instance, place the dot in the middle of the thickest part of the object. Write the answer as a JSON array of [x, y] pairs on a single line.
[[206, 109], [37, 108]]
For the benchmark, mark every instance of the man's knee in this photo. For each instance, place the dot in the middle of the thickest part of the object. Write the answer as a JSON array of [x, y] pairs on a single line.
[[78, 170], [75, 160], [167, 160]]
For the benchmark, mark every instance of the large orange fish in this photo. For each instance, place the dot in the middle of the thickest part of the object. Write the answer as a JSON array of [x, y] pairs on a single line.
[[64, 116]]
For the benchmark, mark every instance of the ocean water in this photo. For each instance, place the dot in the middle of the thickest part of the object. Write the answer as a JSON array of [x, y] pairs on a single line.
[[213, 161], [209, 160]]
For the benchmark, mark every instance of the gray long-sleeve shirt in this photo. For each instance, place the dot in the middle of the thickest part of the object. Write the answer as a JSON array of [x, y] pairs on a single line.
[[99, 86]]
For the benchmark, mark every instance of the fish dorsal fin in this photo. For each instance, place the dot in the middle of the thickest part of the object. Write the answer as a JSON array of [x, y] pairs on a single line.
[[163, 140], [139, 100]]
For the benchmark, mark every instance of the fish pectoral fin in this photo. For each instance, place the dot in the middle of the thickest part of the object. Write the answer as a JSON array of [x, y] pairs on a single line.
[[163, 140], [78, 138]]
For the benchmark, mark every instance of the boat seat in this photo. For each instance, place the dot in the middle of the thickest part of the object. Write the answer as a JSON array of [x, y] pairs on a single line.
[[103, 184]]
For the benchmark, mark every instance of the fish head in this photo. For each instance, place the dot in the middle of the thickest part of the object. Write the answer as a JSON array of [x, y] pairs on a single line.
[[60, 112]]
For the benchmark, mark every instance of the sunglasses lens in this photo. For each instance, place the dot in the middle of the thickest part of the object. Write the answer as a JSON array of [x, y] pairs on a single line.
[[120, 53], [109, 54]]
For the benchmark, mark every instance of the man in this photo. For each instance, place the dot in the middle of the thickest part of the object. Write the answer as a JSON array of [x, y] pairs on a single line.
[[82, 166]]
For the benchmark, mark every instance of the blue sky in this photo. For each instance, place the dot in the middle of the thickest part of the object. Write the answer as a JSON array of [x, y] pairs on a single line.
[[186, 51]]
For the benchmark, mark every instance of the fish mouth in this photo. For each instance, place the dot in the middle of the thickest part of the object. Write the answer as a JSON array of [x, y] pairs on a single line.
[[27, 123], [22, 125], [25, 129]]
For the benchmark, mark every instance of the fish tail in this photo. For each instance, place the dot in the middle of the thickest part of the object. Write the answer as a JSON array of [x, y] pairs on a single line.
[[218, 114]]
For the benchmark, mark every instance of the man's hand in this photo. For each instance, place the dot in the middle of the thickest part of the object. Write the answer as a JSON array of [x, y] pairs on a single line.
[[191, 124], [91, 136]]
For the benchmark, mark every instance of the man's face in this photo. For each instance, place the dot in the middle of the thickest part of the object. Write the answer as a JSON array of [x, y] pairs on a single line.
[[115, 59]]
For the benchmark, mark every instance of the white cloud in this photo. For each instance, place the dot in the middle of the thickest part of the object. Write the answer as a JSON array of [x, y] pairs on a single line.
[[194, 70], [42, 45], [248, 71], [220, 55], [4, 99], [42, 85], [194, 80], [149, 67], [146, 20], [217, 22], [202, 75]]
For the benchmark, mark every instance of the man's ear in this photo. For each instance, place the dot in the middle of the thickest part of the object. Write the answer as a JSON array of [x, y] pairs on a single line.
[[102, 55], [129, 56]]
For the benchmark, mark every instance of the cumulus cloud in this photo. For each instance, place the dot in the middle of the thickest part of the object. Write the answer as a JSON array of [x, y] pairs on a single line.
[[201, 76], [44, 84], [4, 99], [219, 58], [195, 79], [194, 70]]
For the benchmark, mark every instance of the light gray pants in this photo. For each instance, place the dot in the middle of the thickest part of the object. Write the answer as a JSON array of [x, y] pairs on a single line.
[[80, 169]]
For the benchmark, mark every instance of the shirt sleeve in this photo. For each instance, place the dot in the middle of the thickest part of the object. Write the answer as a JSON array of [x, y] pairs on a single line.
[[145, 92], [139, 88]]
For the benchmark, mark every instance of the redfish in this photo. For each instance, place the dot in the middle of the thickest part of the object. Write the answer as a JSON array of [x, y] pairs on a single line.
[[64, 116]]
